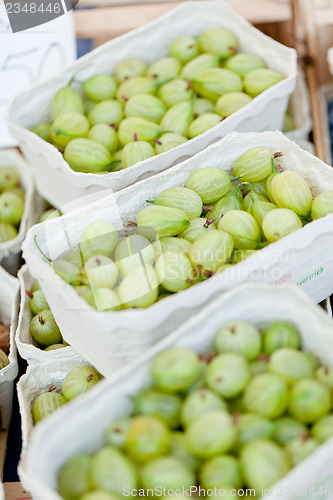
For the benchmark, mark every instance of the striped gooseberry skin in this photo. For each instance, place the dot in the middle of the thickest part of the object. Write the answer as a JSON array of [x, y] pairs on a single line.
[[263, 463], [110, 470], [267, 395], [291, 191], [231, 102], [132, 250], [243, 63], [290, 364], [11, 208], [172, 244], [322, 429], [269, 181], [224, 205], [198, 64], [139, 288], [279, 223], [202, 106], [134, 86], [99, 495], [286, 429], [9, 178], [242, 227], [218, 41], [46, 404], [211, 434], [203, 123], [38, 302], [116, 433], [214, 82], [227, 374], [73, 477], [84, 155], [169, 471], [163, 70], [148, 437], [199, 402], [105, 135], [178, 118], [219, 471], [155, 403], [53, 347], [209, 183], [176, 369], [100, 87], [175, 91], [322, 205], [7, 232], [258, 209], [184, 48], [168, 141], [44, 329], [109, 112], [183, 198], [166, 221], [98, 238], [68, 126], [101, 271], [309, 400], [211, 250], [135, 128], [130, 67], [258, 80], [254, 165], [145, 106], [79, 380], [66, 100], [174, 271]]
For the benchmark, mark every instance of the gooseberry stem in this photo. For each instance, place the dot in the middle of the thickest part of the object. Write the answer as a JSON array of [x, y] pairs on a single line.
[[43, 254]]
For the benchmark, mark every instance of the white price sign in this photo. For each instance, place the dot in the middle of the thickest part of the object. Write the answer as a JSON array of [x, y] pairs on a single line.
[[31, 56]]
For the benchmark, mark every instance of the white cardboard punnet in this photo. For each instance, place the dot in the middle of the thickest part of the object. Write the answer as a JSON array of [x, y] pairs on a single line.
[[26, 345], [10, 251], [9, 308], [68, 431], [37, 380], [300, 258], [58, 183]]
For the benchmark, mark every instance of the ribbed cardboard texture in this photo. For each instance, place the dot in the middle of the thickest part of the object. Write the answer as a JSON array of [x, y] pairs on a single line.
[[65, 433], [119, 337], [300, 111], [58, 183]]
